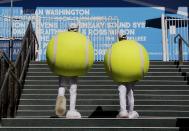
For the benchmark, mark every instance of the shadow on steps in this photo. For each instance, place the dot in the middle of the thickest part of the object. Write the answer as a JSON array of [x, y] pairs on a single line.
[[183, 124], [99, 113]]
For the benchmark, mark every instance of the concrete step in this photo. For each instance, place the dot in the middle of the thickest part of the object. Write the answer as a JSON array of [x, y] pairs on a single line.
[[52, 74], [151, 62], [107, 114], [108, 91], [105, 74], [138, 87], [101, 69], [178, 78], [107, 107], [184, 69], [164, 74], [108, 82], [92, 129], [107, 96], [102, 65], [105, 102], [87, 122]]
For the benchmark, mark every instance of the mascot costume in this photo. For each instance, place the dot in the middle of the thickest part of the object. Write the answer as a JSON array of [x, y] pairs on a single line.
[[126, 62], [69, 55]]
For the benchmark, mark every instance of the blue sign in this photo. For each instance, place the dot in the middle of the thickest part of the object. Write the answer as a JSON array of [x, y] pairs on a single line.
[[4, 45], [131, 22]]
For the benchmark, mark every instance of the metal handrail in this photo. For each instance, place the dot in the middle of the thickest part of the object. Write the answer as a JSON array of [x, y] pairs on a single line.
[[180, 37], [3, 55], [180, 43], [11, 86]]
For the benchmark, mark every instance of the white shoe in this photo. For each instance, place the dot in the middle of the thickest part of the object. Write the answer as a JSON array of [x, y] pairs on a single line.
[[73, 114], [133, 115], [123, 114], [60, 108]]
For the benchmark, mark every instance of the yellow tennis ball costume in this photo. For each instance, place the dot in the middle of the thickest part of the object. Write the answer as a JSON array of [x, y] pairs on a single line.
[[70, 54], [126, 61]]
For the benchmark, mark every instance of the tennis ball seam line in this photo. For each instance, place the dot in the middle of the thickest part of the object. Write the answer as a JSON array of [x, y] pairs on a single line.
[[87, 53], [55, 49], [142, 60], [109, 60]]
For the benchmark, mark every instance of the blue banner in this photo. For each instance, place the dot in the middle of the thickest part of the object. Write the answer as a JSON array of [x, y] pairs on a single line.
[[131, 22], [4, 45]]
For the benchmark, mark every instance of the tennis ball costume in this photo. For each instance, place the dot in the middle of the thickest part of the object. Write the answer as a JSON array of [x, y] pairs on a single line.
[[69, 54], [126, 62]]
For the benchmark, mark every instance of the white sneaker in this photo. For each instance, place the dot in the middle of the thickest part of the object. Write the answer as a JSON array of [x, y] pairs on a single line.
[[123, 114], [60, 108], [73, 114], [133, 115]]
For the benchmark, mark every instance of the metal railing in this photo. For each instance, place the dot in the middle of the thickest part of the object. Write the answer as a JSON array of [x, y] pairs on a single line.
[[181, 40], [171, 26], [13, 74]]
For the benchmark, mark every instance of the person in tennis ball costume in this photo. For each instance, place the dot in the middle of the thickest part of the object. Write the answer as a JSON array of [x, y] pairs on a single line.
[[69, 55], [126, 61]]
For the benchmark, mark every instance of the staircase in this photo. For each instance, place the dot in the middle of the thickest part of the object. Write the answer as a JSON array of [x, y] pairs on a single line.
[[161, 99]]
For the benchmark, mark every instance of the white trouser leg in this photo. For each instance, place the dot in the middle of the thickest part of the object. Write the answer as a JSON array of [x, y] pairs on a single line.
[[61, 91], [122, 97], [62, 83], [73, 113], [60, 107], [130, 100], [132, 113], [73, 94]]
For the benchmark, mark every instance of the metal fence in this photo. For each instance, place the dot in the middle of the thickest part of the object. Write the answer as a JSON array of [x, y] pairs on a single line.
[[171, 27], [12, 30]]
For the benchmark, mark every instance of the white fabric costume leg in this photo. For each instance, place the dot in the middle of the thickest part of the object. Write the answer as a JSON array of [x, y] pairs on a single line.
[[73, 113], [122, 97], [132, 113], [60, 107], [61, 91]]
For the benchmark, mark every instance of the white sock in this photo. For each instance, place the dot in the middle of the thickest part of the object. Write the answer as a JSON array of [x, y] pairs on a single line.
[[61, 91], [73, 94]]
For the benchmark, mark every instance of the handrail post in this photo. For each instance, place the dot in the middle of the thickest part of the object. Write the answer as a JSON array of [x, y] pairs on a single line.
[[180, 52]]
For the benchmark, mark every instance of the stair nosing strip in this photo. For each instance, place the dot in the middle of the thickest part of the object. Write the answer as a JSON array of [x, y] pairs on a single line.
[[102, 100], [115, 105], [108, 85], [107, 95], [156, 117], [106, 90], [176, 68], [93, 111], [105, 76], [103, 72], [100, 127], [113, 81]]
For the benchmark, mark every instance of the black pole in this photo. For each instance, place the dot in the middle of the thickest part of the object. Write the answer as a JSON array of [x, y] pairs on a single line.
[[180, 52], [11, 33]]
